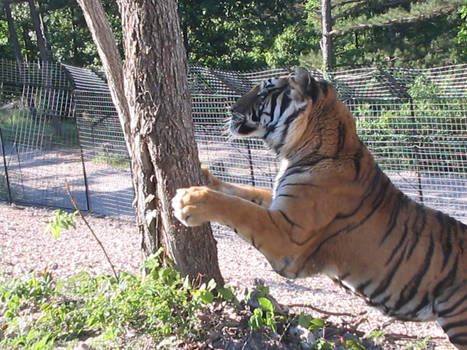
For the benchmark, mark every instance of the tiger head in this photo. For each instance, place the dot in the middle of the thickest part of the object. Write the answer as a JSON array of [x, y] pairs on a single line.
[[285, 111]]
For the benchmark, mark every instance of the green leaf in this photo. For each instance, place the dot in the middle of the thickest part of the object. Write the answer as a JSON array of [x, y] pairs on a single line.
[[266, 304], [226, 293]]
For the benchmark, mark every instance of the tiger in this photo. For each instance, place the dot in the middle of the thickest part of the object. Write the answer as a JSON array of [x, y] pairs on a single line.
[[333, 211]]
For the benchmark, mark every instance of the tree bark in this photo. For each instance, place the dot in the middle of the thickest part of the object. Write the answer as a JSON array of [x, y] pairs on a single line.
[[12, 31], [43, 52], [326, 41], [153, 102]]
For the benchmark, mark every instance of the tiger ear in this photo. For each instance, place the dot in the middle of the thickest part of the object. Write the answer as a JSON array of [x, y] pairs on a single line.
[[303, 84]]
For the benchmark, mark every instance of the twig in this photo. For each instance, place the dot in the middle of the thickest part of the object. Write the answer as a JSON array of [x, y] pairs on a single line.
[[324, 312], [90, 229]]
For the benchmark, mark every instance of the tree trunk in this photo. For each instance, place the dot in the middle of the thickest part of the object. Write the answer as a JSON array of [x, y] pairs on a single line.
[[44, 54], [326, 41], [13, 35], [153, 103]]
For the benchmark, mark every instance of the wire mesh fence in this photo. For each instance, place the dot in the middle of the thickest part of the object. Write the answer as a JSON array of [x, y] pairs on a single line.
[[58, 122]]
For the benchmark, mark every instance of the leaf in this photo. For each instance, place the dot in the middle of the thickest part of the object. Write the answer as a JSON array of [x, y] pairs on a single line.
[[226, 293], [266, 304], [207, 297], [212, 285], [304, 320]]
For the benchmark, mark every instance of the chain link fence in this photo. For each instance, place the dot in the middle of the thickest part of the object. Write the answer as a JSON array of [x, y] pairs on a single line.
[[58, 122]]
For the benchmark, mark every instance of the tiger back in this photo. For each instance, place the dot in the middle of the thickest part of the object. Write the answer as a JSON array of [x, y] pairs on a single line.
[[333, 211]]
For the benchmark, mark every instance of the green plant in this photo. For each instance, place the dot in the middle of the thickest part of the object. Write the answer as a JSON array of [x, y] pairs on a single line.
[[323, 344], [263, 316], [61, 220], [423, 344], [310, 322], [113, 160], [159, 305], [39, 131], [353, 344]]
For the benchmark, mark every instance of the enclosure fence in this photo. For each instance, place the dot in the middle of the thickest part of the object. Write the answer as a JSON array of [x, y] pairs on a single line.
[[57, 123]]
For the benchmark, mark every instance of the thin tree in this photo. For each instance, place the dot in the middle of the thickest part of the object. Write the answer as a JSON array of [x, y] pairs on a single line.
[[326, 40], [152, 99], [12, 32], [41, 42]]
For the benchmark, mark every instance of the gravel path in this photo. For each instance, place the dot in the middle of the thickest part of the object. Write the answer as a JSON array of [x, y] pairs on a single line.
[[24, 247]]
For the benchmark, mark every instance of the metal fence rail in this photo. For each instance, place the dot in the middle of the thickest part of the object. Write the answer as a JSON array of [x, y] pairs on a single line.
[[58, 122]]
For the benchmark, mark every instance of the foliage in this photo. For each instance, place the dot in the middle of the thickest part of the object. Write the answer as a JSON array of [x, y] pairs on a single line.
[[462, 34], [239, 35], [40, 130], [158, 305], [234, 34], [424, 120], [395, 33], [62, 220]]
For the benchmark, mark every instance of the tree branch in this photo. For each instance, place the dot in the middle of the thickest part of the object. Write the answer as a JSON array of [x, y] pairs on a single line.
[[102, 35], [73, 201]]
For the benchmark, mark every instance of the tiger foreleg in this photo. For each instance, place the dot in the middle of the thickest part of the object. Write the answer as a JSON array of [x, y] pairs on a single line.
[[263, 228], [256, 195]]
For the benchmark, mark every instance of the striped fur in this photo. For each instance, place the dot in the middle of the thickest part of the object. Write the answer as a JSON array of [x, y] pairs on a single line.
[[333, 211]]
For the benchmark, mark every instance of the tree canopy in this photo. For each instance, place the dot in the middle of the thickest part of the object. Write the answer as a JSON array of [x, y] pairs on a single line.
[[242, 35]]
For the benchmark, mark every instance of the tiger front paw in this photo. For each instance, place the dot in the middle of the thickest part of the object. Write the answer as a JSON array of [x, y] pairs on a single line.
[[192, 206]]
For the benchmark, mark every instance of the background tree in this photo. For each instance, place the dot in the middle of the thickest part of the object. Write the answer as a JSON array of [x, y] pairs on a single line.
[[235, 35], [12, 32], [153, 103], [397, 32]]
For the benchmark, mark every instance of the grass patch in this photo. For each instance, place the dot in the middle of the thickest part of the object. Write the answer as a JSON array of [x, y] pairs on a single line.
[[40, 312], [18, 125]]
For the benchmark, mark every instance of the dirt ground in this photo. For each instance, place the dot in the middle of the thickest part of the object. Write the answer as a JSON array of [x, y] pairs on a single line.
[[25, 247]]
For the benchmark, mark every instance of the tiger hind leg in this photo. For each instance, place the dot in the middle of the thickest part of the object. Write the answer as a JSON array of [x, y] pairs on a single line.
[[452, 316]]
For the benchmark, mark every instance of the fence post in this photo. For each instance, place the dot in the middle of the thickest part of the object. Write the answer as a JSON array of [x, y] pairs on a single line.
[[7, 179], [417, 146], [401, 92]]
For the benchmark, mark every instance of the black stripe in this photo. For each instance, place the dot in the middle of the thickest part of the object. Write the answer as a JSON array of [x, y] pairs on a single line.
[[370, 189], [420, 215], [313, 90], [399, 244], [344, 276], [454, 306], [298, 184], [456, 340], [349, 228], [287, 123], [425, 301], [341, 129], [286, 195], [285, 103], [412, 287], [447, 250], [356, 161], [394, 216], [455, 324], [382, 287], [446, 281], [272, 219], [290, 221], [324, 87], [273, 104], [361, 287]]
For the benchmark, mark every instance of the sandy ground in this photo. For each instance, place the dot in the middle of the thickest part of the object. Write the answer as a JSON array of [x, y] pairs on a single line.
[[24, 247]]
